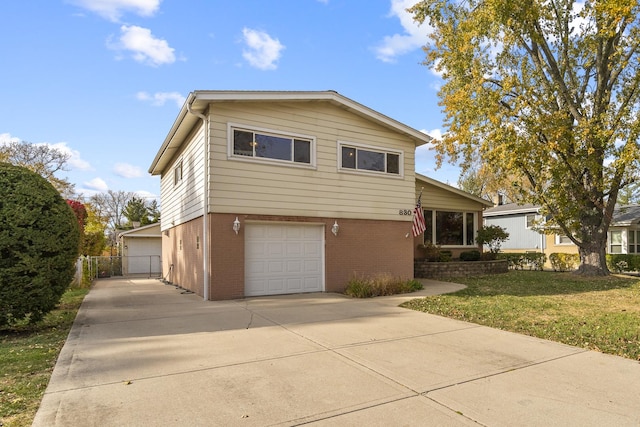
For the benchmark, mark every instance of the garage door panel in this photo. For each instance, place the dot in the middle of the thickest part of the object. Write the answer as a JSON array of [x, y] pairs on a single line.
[[283, 258]]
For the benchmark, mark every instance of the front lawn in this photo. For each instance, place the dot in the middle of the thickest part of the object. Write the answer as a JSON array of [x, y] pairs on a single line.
[[600, 313], [28, 354]]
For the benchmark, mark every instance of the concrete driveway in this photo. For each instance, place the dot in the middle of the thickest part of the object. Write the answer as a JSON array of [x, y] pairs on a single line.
[[143, 354]]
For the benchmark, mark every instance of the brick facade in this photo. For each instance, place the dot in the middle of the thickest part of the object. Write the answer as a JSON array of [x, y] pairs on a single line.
[[362, 247]]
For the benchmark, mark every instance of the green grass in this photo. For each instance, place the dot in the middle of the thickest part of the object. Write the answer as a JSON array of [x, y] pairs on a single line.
[[601, 313], [28, 354]]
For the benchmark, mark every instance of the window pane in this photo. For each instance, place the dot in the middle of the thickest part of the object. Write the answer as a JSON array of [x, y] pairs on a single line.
[[616, 237], [393, 163], [348, 157], [632, 237], [470, 229], [301, 151], [428, 222], [242, 143], [371, 160], [530, 220], [449, 228], [273, 147]]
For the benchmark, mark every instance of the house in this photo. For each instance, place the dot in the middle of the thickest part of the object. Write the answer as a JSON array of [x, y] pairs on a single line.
[[141, 250], [519, 220], [271, 192]]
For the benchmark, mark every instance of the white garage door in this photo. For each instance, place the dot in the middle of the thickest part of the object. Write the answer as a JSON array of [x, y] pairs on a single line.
[[283, 259]]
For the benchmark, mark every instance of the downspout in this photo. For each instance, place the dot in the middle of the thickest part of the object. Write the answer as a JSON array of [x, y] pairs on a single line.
[[205, 204]]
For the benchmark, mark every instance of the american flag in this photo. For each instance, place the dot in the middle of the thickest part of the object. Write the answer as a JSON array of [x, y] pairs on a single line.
[[418, 218]]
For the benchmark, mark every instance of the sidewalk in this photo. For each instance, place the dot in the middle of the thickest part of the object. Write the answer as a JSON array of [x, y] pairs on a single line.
[[143, 354]]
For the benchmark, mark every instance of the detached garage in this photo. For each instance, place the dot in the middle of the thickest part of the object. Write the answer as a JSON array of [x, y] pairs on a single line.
[[141, 250], [283, 258]]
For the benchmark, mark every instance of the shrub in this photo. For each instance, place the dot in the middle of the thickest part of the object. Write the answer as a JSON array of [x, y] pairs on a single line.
[[623, 262], [493, 236], [522, 260], [39, 241], [380, 285], [431, 252], [470, 256], [564, 262]]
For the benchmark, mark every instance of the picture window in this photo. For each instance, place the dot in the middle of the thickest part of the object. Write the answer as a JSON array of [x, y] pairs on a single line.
[[369, 159]]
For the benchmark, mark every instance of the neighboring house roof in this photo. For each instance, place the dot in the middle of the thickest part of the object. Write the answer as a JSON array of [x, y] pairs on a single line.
[[144, 231], [622, 215], [511, 209], [198, 101], [451, 189], [626, 215]]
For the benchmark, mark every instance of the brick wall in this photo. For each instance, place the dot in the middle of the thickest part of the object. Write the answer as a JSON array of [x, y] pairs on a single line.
[[441, 270], [362, 247]]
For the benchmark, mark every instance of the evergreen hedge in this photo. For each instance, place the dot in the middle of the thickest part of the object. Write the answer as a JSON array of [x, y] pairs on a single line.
[[39, 238]]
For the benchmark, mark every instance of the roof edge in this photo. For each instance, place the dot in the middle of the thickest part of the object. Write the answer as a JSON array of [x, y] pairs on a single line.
[[452, 189]]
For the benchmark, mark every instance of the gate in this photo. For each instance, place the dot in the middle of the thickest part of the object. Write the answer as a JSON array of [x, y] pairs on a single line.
[[124, 266]]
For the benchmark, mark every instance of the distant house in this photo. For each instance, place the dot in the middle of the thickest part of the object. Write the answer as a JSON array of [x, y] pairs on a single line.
[[276, 192], [141, 250], [518, 221]]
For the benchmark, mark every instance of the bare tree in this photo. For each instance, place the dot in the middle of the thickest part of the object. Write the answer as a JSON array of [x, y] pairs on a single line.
[[42, 159]]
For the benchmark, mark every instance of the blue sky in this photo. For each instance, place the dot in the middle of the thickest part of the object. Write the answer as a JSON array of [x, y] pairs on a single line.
[[104, 79]]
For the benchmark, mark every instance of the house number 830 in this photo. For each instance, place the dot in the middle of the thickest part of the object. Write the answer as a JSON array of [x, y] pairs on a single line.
[[405, 212]]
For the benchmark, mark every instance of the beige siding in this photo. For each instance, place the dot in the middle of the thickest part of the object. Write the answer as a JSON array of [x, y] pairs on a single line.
[[249, 187], [183, 202], [440, 199]]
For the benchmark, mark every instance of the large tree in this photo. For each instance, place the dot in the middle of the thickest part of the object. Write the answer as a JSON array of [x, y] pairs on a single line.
[[547, 90]]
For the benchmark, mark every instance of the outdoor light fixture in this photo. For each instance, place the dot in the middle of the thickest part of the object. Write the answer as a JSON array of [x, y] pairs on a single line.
[[236, 225], [334, 228]]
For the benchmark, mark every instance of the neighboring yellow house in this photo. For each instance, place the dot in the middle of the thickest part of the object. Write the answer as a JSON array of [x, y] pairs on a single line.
[[301, 190]]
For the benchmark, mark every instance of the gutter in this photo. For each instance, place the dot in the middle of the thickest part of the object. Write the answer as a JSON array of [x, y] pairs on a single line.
[[205, 203]]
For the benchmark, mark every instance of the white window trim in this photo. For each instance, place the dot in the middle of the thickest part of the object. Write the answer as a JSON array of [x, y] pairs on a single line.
[[526, 223], [356, 171], [464, 228], [263, 160], [179, 165], [559, 243]]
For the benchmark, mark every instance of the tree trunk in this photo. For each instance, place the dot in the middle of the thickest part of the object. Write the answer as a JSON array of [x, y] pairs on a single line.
[[593, 260]]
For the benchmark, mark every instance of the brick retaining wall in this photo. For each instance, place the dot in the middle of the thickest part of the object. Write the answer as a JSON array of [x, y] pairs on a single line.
[[439, 270]]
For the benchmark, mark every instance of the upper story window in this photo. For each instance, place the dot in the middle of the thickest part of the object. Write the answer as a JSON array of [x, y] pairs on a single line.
[[369, 159], [530, 220], [271, 146], [177, 173]]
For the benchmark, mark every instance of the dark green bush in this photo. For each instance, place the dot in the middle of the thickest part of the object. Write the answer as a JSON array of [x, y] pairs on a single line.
[[39, 241], [470, 256], [445, 256]]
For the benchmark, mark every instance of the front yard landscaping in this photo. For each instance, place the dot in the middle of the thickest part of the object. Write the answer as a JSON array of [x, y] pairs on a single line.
[[597, 313]]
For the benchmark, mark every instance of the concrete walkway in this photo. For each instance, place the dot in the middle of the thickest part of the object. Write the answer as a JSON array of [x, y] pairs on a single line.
[[143, 354]]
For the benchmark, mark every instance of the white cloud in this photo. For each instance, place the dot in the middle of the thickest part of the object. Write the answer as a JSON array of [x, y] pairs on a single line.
[[75, 160], [147, 195], [126, 170], [97, 184], [414, 36], [158, 99], [263, 51], [145, 48], [114, 9], [6, 138]]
